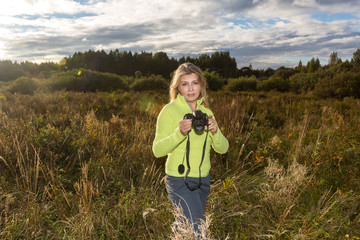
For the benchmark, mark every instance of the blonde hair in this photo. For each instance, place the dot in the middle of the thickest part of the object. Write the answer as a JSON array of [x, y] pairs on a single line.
[[183, 69]]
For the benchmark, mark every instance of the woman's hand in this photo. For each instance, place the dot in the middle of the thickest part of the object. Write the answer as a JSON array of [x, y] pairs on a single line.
[[185, 126], [213, 127]]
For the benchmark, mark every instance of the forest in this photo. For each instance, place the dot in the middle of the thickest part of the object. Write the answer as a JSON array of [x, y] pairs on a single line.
[[146, 71], [76, 159]]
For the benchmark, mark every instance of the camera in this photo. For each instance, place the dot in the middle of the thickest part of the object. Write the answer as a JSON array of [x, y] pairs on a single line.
[[199, 120]]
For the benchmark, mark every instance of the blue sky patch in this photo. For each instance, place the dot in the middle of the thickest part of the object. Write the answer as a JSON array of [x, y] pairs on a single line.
[[71, 16], [56, 15], [248, 23], [327, 17], [86, 2]]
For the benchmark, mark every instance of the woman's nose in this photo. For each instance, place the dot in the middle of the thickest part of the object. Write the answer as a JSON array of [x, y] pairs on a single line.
[[190, 87]]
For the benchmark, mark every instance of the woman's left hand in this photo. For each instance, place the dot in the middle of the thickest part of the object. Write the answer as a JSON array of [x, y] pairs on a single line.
[[213, 127]]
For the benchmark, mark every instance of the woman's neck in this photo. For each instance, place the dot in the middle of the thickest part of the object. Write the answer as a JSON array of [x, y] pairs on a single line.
[[193, 106]]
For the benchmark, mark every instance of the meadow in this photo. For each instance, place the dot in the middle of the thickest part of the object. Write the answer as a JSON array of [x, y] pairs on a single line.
[[79, 165]]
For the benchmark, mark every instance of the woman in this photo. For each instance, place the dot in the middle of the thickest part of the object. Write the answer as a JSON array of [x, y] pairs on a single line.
[[188, 152]]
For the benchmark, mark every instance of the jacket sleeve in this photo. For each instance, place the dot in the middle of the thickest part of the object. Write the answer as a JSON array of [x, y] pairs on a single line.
[[167, 136], [219, 142]]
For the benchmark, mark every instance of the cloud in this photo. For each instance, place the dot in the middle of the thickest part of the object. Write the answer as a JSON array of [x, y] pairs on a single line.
[[260, 32], [35, 7]]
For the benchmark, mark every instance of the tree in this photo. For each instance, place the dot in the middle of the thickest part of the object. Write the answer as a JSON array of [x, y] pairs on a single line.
[[284, 72], [313, 65], [162, 64], [144, 62], [10, 71], [356, 56], [204, 61], [245, 71], [299, 66], [333, 59], [222, 63]]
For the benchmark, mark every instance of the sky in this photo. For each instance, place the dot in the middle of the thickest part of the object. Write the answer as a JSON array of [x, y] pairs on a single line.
[[263, 33]]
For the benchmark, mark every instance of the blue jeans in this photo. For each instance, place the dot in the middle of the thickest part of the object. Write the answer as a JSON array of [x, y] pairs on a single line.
[[192, 203]]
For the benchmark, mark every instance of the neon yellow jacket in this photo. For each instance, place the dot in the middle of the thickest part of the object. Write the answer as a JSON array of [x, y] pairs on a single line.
[[169, 140]]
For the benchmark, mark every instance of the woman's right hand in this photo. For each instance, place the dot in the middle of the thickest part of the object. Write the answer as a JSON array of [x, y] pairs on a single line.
[[185, 126]]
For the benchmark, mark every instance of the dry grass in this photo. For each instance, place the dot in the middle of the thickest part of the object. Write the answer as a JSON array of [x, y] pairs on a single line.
[[183, 229], [80, 166]]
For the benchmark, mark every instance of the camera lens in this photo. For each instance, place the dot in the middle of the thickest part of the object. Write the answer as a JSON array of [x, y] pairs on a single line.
[[199, 127]]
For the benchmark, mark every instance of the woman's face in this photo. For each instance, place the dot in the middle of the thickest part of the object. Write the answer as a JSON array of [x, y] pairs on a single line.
[[189, 87]]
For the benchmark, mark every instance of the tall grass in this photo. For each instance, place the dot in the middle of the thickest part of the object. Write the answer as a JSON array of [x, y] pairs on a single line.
[[80, 166]]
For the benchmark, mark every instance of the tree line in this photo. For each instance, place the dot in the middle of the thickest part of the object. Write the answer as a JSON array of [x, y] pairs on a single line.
[[127, 63], [124, 63], [336, 79]]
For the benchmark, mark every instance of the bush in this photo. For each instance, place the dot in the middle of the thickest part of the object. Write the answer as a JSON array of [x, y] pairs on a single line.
[[302, 82], [24, 85], [274, 83], [153, 82], [343, 84], [242, 84], [86, 80], [213, 80], [305, 82]]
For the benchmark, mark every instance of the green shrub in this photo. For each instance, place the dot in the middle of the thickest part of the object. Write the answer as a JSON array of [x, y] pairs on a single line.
[[153, 82], [302, 82], [86, 80], [242, 84], [274, 83], [46, 74], [213, 80], [343, 84], [24, 85]]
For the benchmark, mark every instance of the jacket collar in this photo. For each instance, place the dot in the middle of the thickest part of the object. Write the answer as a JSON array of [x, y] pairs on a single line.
[[180, 100]]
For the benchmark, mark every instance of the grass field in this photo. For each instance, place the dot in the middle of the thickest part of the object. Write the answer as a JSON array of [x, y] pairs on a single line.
[[80, 166]]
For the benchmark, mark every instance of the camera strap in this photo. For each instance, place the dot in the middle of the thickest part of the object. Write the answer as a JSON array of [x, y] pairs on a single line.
[[188, 161]]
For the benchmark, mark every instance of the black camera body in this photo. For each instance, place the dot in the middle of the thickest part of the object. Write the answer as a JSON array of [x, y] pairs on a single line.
[[199, 120]]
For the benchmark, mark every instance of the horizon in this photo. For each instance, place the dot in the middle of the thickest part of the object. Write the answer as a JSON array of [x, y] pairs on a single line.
[[177, 59]]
